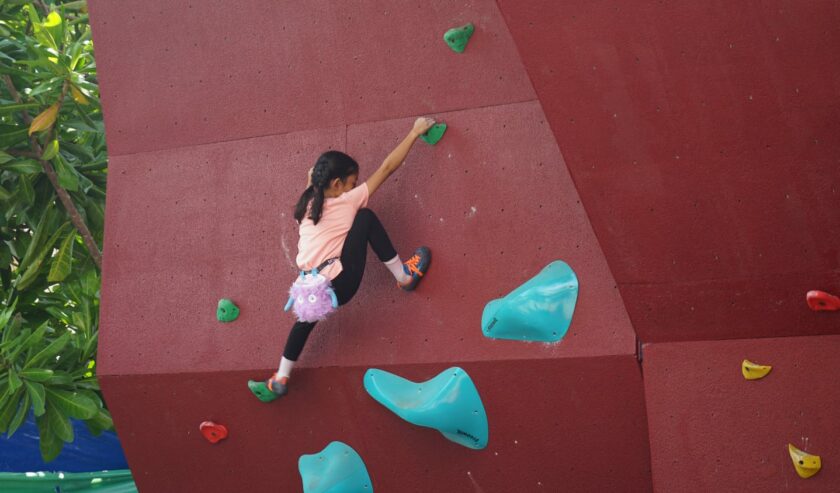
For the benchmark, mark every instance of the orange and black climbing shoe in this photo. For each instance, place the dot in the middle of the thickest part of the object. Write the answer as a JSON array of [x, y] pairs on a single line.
[[416, 267], [277, 385]]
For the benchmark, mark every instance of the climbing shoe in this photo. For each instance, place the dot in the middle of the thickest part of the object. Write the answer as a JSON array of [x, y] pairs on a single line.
[[270, 389], [278, 385], [416, 267]]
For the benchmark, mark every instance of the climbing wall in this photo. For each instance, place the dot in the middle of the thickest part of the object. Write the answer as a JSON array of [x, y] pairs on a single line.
[[212, 124], [709, 187], [711, 430], [701, 137]]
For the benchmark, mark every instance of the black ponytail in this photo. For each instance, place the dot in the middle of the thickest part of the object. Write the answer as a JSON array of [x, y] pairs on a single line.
[[300, 207], [329, 166], [317, 205]]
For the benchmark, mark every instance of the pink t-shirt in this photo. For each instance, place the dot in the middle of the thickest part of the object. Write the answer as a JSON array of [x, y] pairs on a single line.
[[326, 239]]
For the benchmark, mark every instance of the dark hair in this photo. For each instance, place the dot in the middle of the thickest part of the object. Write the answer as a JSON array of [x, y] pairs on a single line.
[[329, 166]]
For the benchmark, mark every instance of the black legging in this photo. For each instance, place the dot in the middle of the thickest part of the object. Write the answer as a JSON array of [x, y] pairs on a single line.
[[366, 228]]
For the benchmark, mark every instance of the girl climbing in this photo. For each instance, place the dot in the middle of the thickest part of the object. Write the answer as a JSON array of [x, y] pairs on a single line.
[[335, 228]]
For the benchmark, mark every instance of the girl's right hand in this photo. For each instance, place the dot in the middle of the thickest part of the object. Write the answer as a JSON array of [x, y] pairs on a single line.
[[422, 125]]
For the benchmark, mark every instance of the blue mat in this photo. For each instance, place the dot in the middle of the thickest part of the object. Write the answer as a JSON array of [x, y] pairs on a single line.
[[86, 454]]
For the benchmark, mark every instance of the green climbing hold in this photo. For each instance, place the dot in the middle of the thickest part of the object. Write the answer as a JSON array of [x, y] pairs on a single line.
[[457, 37], [434, 134], [227, 311], [261, 390]]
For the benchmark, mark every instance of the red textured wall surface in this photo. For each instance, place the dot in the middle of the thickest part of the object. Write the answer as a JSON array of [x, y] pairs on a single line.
[[202, 210], [702, 138], [594, 441], [679, 156], [711, 430]]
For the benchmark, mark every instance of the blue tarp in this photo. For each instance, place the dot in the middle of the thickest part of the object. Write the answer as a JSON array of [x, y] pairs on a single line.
[[85, 454]]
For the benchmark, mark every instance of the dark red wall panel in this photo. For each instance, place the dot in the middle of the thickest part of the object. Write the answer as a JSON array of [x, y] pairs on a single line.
[[712, 430], [702, 139], [548, 430]]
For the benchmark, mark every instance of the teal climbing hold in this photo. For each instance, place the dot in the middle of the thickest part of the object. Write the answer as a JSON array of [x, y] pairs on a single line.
[[227, 311], [448, 403], [457, 37], [336, 469], [539, 310], [434, 134]]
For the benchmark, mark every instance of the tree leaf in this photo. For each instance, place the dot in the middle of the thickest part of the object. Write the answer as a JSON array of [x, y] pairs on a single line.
[[50, 150], [20, 415], [55, 27], [6, 315], [8, 108], [35, 337], [44, 120], [34, 268], [23, 166], [48, 352], [73, 404], [67, 177], [99, 423], [27, 192], [12, 329], [78, 95], [38, 396], [38, 234], [60, 378], [9, 405], [50, 443], [11, 135], [36, 374], [62, 263], [14, 380], [59, 422]]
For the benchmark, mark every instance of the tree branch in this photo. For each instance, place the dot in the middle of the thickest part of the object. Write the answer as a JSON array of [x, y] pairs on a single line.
[[43, 6], [65, 198], [19, 153]]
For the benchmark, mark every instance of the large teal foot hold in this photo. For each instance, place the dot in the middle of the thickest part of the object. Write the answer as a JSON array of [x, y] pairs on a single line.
[[448, 403], [539, 310], [457, 37], [434, 134], [227, 311], [336, 469]]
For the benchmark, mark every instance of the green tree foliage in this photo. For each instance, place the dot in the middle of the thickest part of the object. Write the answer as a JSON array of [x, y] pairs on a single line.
[[52, 196]]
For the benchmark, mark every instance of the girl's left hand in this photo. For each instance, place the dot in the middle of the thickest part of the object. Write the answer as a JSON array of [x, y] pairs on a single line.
[[422, 125]]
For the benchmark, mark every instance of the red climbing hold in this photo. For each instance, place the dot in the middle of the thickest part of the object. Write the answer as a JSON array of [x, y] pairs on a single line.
[[213, 432], [822, 301]]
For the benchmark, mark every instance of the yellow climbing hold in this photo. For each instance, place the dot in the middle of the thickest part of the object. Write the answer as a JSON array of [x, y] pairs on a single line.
[[806, 465], [752, 371]]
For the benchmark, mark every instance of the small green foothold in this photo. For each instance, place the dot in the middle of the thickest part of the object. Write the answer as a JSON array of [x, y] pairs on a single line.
[[457, 37], [261, 390], [227, 311], [434, 134]]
